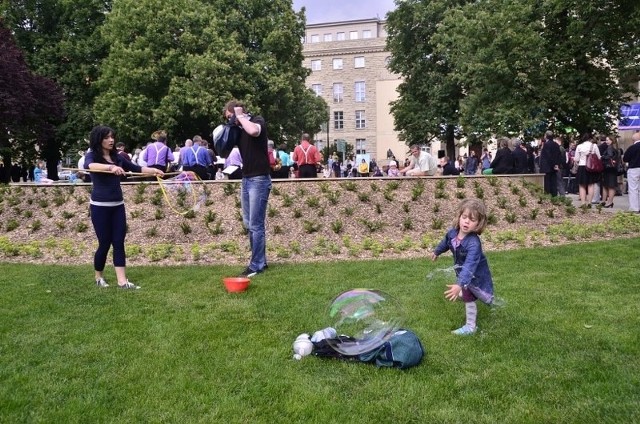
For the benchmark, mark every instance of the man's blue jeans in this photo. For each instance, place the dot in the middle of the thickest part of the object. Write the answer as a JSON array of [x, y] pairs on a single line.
[[254, 198]]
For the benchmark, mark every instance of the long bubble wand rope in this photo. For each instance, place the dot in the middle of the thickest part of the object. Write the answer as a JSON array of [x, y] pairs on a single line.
[[127, 173], [183, 184]]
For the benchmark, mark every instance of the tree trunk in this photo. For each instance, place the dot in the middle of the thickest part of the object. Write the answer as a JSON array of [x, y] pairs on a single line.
[[5, 158], [450, 142], [51, 154]]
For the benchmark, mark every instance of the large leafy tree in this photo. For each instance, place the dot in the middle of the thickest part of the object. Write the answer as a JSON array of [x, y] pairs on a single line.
[[429, 96], [61, 40], [528, 65], [515, 66], [30, 108], [173, 64]]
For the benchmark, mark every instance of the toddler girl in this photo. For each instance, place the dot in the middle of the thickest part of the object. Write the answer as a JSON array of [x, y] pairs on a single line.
[[472, 269]]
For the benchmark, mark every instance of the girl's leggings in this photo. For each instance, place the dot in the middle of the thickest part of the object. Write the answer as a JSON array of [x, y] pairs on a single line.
[[110, 225]]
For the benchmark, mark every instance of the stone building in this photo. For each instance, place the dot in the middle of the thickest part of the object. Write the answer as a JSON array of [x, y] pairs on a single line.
[[348, 69]]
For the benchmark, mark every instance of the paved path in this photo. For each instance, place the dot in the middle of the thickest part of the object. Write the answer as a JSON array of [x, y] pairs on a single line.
[[620, 203]]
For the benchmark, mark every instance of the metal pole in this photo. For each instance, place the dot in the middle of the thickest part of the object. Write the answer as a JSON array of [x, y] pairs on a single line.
[[328, 124]]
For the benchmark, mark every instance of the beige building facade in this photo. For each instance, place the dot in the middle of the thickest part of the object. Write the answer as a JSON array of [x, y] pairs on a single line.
[[348, 70]]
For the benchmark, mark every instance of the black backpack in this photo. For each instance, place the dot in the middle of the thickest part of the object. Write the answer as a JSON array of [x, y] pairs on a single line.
[[225, 138]]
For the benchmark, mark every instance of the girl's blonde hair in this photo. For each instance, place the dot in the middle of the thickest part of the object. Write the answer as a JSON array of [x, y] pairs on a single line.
[[476, 209]]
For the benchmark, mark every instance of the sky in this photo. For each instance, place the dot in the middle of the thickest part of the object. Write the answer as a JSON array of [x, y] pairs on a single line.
[[320, 11]]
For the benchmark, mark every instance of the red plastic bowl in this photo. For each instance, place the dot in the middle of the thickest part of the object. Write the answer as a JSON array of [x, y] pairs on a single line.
[[236, 284]]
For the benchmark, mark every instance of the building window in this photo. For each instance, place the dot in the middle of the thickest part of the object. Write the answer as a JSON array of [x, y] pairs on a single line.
[[338, 120], [387, 61], [340, 36], [337, 63], [328, 37], [360, 91], [317, 88], [353, 35], [316, 65], [338, 92], [361, 122], [366, 33], [361, 146], [359, 62], [315, 38]]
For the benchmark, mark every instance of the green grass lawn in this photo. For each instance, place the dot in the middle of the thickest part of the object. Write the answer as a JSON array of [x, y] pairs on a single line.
[[564, 349]]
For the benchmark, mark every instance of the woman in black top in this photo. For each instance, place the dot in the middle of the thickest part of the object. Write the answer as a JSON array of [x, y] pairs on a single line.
[[107, 203]]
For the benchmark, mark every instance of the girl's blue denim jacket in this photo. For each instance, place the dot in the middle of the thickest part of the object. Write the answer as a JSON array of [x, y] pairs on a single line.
[[472, 268]]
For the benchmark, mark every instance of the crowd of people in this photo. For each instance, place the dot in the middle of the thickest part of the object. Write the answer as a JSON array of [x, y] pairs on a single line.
[[255, 161]]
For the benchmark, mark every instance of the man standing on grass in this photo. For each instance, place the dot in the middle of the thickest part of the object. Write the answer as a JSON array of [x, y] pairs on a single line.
[[256, 181]]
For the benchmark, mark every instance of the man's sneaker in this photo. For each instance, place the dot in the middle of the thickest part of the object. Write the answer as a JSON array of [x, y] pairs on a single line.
[[100, 282], [248, 273], [465, 330], [128, 285]]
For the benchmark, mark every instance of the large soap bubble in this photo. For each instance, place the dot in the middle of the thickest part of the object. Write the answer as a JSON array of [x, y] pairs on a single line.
[[368, 317], [449, 273]]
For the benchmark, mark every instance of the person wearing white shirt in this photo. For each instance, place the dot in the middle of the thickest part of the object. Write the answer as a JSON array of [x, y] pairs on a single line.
[[422, 163], [586, 180]]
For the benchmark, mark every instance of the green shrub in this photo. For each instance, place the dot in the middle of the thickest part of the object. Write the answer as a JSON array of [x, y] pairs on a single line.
[[151, 232], [36, 225], [372, 226], [210, 217], [392, 185], [312, 202], [287, 200], [336, 226], [230, 189], [185, 227], [417, 190], [332, 197], [324, 187], [349, 185], [311, 226], [363, 197]]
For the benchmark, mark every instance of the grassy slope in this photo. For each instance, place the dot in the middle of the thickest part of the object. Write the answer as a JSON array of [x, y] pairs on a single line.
[[564, 349]]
